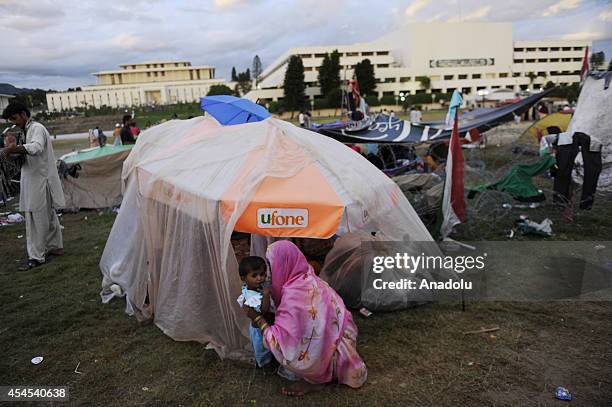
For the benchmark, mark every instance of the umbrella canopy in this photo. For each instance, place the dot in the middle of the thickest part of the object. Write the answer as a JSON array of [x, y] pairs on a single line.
[[230, 110]]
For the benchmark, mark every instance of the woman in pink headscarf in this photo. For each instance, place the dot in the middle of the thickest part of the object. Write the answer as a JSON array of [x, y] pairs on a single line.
[[313, 335]]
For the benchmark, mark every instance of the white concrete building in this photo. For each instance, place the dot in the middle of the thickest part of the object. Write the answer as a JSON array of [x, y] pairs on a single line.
[[147, 83], [469, 56]]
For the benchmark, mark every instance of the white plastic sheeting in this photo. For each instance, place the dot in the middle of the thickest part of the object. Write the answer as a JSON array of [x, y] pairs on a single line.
[[593, 116], [170, 248]]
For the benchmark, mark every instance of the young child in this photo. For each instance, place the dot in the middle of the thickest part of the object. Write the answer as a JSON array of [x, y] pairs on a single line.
[[256, 294]]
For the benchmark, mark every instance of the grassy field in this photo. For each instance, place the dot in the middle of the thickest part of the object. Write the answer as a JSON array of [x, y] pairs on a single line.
[[415, 357]]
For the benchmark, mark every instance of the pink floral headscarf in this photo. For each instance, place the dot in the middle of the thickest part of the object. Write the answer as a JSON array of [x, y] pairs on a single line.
[[287, 262]]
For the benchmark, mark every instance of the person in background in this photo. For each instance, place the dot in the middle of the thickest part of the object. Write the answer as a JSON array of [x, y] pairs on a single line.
[[117, 135], [41, 190], [301, 119], [93, 139], [134, 128], [126, 133]]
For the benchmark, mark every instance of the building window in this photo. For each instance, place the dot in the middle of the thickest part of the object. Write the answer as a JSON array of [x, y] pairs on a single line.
[[480, 87], [530, 49], [304, 56], [155, 74], [389, 80], [405, 79], [307, 68], [554, 59], [382, 52], [566, 59], [466, 91], [176, 64], [577, 48], [519, 49], [543, 49], [367, 54], [163, 73], [148, 66], [566, 49], [148, 74], [449, 77], [519, 61], [542, 60], [319, 55], [503, 74], [554, 48], [382, 65], [530, 61], [495, 87], [463, 76], [352, 54], [476, 76]]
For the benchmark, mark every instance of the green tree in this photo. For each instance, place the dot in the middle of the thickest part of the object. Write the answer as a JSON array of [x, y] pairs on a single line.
[[329, 73], [244, 84], [234, 77], [364, 73], [220, 90], [425, 82], [597, 59], [549, 85], [334, 98], [257, 69], [293, 85]]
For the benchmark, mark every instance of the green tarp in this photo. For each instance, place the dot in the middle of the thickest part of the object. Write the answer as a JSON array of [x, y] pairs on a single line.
[[518, 181], [95, 152]]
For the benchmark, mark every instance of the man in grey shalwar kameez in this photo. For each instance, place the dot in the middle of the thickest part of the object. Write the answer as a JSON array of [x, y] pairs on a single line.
[[41, 190]]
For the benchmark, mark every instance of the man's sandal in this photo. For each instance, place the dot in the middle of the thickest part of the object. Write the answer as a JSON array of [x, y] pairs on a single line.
[[31, 263]]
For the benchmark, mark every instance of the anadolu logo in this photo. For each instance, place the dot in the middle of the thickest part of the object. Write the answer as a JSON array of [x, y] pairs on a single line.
[[282, 218]]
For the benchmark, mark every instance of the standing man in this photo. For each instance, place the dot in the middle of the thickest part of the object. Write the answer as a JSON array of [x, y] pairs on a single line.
[[41, 190], [126, 131]]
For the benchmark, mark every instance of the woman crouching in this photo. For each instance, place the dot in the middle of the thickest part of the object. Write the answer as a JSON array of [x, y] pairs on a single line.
[[313, 335]]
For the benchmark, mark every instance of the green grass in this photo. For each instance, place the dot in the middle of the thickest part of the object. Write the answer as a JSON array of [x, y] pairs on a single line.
[[415, 357]]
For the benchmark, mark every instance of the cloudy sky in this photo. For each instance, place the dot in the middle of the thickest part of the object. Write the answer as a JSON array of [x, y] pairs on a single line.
[[59, 44]]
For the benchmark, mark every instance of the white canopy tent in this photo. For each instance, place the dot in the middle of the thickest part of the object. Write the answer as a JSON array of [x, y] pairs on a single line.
[[189, 184]]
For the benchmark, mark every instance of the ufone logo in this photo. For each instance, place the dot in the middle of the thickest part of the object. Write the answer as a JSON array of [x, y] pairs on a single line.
[[282, 218]]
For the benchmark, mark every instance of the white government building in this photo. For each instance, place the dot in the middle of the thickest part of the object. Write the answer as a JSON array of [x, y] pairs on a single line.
[[147, 83], [476, 58], [473, 57]]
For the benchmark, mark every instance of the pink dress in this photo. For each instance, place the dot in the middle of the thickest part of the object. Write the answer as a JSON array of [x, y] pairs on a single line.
[[313, 335]]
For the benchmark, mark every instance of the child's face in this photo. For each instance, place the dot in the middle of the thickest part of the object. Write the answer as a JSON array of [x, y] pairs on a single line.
[[254, 279]]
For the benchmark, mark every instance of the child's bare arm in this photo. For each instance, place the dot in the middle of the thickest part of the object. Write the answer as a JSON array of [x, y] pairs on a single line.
[[265, 302]]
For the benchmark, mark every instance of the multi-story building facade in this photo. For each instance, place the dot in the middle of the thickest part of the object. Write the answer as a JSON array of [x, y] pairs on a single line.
[[471, 57], [147, 83]]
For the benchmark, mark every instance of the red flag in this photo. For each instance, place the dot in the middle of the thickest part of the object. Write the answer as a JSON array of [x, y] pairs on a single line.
[[453, 199], [457, 190], [585, 64]]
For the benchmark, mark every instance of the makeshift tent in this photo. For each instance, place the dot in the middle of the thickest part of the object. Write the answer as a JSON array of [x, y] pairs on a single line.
[[518, 181], [554, 121], [169, 249], [91, 178], [387, 130], [593, 118]]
